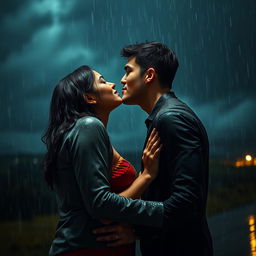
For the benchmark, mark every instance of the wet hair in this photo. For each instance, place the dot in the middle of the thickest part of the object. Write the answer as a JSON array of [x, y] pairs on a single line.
[[156, 55], [67, 105]]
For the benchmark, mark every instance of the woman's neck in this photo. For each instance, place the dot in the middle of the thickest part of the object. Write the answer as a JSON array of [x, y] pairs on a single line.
[[103, 116]]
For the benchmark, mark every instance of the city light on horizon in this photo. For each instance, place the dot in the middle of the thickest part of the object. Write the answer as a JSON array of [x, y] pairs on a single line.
[[247, 160]]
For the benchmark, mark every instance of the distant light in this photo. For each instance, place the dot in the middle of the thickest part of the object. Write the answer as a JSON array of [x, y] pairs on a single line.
[[248, 158], [238, 164]]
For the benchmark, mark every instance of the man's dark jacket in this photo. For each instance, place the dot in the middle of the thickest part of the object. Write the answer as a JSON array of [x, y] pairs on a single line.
[[182, 182]]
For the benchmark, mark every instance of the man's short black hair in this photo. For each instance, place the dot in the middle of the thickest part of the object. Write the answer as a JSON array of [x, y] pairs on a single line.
[[155, 55]]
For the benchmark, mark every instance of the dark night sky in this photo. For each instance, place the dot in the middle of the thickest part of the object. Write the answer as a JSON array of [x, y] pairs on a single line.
[[42, 41]]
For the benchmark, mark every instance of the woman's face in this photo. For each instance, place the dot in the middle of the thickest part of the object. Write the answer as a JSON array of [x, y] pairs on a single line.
[[107, 97]]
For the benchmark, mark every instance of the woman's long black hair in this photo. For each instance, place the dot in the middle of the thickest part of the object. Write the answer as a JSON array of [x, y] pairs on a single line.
[[67, 105]]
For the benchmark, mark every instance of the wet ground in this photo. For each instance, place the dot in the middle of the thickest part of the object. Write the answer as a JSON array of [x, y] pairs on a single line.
[[233, 231]]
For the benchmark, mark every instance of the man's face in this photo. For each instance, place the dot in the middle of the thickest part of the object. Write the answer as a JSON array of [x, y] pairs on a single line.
[[133, 83]]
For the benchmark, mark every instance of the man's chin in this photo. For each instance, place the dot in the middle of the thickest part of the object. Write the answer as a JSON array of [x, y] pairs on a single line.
[[126, 101]]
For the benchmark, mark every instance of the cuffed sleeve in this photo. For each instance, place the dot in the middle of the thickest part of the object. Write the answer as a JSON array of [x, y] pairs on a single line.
[[91, 153]]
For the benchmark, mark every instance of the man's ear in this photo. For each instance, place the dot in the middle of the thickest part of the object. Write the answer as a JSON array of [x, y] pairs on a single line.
[[150, 75], [90, 98]]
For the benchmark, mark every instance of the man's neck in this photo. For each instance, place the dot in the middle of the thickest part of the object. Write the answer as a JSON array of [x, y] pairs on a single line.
[[151, 99]]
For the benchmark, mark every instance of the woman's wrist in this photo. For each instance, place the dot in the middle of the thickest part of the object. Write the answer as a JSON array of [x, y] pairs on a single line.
[[147, 176], [139, 186]]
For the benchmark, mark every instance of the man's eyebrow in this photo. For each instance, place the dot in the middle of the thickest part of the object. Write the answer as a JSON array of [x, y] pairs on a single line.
[[127, 67]]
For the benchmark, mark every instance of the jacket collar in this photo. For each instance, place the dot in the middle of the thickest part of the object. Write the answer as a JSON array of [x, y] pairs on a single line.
[[161, 101]]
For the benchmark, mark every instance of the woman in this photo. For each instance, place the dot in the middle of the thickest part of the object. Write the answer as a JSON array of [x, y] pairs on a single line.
[[87, 174]]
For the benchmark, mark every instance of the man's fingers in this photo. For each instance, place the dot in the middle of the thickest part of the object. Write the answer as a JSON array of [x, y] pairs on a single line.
[[108, 238], [103, 230], [117, 243]]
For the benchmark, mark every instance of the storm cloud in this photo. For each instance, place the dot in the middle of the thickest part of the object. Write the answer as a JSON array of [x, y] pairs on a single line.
[[215, 42]]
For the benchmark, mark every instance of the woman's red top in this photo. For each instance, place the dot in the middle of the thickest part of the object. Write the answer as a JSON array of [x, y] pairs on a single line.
[[123, 175]]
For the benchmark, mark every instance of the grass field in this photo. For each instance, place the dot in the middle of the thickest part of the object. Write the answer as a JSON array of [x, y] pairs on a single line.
[[230, 187], [27, 238]]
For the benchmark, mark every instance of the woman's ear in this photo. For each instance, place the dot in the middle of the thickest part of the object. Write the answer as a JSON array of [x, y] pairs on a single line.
[[150, 75], [90, 98]]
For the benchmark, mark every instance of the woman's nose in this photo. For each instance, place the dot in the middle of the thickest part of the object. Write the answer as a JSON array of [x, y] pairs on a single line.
[[113, 85]]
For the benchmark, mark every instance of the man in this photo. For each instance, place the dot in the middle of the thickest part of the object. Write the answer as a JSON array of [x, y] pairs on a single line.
[[182, 181]]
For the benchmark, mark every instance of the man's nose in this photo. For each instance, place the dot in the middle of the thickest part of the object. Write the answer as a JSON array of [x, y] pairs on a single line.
[[123, 81]]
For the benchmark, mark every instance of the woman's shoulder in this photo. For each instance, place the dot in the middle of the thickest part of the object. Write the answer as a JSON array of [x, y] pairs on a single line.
[[90, 121], [88, 126]]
